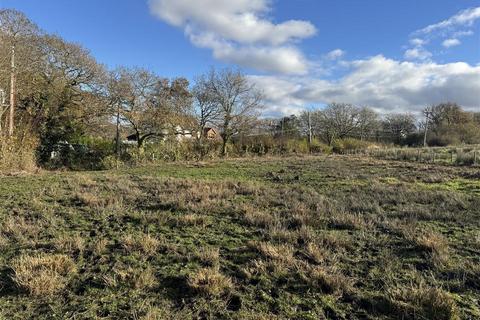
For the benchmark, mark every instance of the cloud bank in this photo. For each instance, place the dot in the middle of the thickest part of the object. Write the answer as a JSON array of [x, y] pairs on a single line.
[[242, 33], [386, 85], [239, 31]]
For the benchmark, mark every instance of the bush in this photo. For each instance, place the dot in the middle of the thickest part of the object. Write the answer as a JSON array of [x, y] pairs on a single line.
[[18, 153], [348, 145], [318, 147], [79, 154], [465, 158], [268, 145], [206, 149]]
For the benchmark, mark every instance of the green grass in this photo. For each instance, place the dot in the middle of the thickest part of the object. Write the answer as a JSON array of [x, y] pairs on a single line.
[[282, 238]]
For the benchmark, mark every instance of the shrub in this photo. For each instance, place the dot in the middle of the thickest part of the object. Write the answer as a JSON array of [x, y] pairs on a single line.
[[82, 153], [18, 153], [318, 147], [349, 145], [297, 146], [466, 158]]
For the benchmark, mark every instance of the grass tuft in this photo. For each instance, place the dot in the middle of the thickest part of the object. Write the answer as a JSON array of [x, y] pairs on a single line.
[[210, 282], [43, 274]]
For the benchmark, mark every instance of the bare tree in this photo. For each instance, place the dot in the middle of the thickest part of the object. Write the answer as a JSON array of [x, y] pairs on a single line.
[[306, 120], [207, 108], [238, 101], [337, 121], [427, 112], [367, 124], [398, 126], [14, 28], [148, 103]]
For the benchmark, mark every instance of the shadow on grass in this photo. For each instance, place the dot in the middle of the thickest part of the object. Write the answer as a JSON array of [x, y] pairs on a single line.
[[7, 286]]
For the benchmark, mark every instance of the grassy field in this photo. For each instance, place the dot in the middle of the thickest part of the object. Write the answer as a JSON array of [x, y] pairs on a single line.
[[298, 238]]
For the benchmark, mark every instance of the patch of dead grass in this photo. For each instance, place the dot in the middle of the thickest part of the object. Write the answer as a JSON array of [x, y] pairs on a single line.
[[143, 243], [43, 274], [210, 282]]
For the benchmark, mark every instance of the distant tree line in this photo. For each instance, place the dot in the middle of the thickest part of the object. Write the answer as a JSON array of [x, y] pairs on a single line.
[[443, 124], [54, 92]]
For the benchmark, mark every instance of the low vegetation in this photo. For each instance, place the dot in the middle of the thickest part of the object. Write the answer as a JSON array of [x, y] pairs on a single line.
[[337, 237]]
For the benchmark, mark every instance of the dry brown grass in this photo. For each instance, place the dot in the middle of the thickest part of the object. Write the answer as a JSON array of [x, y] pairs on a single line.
[[43, 274], [95, 201], [137, 278], [210, 282], [350, 221], [424, 302], [315, 253], [208, 256], [328, 281], [3, 241], [143, 243], [19, 229], [433, 244], [258, 218], [70, 244], [145, 279], [281, 254], [436, 245], [278, 233], [190, 220], [100, 246]]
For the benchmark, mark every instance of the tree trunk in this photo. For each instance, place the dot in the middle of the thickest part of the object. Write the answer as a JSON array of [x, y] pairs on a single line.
[[225, 135], [426, 131], [12, 94], [224, 145]]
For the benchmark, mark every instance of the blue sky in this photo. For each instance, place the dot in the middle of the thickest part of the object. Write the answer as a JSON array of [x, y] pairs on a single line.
[[300, 52]]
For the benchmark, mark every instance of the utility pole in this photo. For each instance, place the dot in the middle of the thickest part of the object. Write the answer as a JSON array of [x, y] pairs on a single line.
[[117, 137], [427, 113], [12, 93]]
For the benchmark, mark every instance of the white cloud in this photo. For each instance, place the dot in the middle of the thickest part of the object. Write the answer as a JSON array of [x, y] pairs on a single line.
[[449, 30], [384, 84], [462, 33], [417, 53], [463, 18], [417, 42], [335, 54], [239, 31], [451, 43]]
